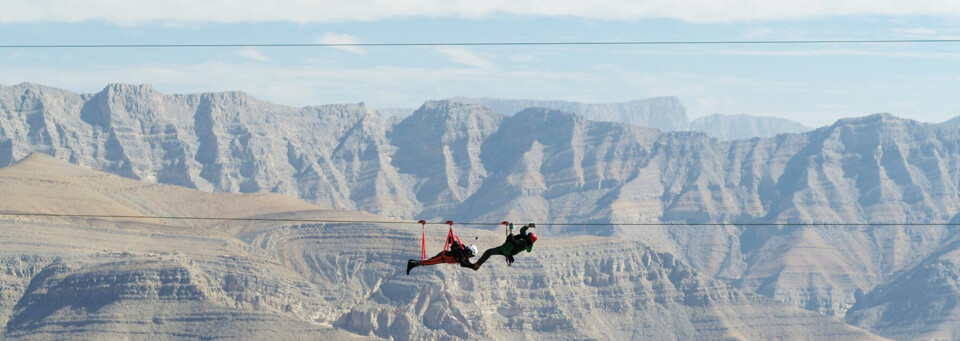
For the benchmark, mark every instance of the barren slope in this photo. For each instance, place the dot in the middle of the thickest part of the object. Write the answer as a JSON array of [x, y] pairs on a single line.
[[100, 279]]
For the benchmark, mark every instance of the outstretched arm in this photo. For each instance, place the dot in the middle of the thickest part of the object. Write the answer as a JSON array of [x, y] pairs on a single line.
[[523, 230]]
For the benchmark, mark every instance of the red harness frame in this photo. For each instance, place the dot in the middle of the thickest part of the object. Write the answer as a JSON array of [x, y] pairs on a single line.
[[444, 256]]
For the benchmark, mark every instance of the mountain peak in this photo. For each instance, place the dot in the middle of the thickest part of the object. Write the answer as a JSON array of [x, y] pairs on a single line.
[[123, 88], [549, 114], [665, 113], [875, 120], [447, 109], [28, 86], [878, 117]]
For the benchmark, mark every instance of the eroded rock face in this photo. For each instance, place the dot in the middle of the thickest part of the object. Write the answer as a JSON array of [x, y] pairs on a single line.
[[166, 297], [541, 165], [578, 287], [452, 160], [335, 155], [920, 303], [439, 146], [15, 275]]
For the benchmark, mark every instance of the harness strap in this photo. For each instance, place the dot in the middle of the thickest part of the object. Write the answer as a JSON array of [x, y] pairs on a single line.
[[506, 232], [423, 240], [449, 241]]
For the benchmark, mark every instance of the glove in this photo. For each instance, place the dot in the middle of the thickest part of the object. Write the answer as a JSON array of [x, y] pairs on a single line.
[[532, 225]]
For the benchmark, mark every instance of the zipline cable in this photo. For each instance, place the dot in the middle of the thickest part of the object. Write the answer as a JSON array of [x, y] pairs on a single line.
[[304, 220], [493, 43]]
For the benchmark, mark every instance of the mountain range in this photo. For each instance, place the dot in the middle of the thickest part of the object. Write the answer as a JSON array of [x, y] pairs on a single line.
[[109, 278], [467, 162]]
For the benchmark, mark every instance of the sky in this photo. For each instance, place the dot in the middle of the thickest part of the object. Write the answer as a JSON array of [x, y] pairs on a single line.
[[811, 84]]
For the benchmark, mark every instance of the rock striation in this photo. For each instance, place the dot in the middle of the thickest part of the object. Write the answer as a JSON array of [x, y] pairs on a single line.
[[335, 155], [450, 160], [102, 278]]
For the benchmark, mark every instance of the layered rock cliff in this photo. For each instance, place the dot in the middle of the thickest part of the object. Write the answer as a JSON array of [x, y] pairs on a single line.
[[466, 162], [108, 278]]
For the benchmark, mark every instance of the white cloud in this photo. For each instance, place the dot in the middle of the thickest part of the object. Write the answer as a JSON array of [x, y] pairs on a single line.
[[339, 38], [232, 11], [464, 56], [253, 54]]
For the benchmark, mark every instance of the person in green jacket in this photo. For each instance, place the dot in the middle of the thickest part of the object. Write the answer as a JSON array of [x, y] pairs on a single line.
[[512, 246]]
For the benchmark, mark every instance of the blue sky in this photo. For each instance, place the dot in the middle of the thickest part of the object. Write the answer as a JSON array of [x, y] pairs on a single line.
[[812, 84]]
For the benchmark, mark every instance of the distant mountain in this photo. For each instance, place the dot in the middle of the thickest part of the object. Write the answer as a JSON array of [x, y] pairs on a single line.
[[735, 127], [664, 113], [395, 112], [953, 121]]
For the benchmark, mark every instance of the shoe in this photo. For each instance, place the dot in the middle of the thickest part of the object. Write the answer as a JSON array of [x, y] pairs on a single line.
[[411, 264]]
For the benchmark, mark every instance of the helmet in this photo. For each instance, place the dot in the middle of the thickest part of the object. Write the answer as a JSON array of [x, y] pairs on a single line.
[[533, 238], [473, 250]]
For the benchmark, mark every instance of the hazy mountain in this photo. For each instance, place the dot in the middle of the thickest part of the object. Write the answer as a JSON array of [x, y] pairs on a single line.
[[104, 278], [466, 162], [395, 112], [664, 113], [953, 121], [734, 127]]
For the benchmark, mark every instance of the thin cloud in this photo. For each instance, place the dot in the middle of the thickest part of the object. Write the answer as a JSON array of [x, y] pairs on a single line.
[[802, 53], [465, 57], [253, 54], [339, 38], [221, 11]]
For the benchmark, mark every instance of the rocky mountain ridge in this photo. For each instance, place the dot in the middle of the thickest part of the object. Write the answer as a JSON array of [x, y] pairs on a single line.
[[160, 279], [465, 162]]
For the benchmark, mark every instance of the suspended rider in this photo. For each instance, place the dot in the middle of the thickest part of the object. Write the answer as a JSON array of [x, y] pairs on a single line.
[[512, 246], [457, 254]]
